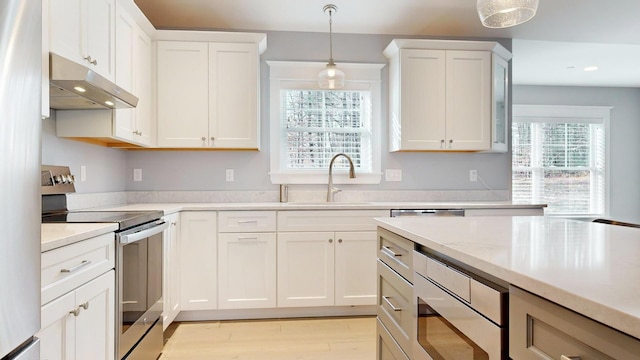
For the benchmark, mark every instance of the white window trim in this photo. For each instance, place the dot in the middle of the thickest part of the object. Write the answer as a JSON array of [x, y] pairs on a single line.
[[564, 113], [358, 77]]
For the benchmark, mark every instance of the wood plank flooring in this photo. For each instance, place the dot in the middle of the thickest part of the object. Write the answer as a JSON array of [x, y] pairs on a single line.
[[288, 339]]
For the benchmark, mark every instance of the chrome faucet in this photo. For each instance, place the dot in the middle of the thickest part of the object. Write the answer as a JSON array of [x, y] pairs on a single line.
[[331, 190]]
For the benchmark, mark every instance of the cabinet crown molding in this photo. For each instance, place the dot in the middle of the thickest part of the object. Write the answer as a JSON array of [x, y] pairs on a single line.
[[396, 44]]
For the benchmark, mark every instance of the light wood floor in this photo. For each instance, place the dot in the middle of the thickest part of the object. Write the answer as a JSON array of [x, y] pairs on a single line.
[[300, 339]]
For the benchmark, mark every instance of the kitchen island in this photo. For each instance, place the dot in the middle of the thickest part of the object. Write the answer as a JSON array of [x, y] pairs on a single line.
[[592, 269]]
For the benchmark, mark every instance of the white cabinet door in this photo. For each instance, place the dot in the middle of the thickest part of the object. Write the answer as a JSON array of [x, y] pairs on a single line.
[[198, 260], [81, 323], [468, 89], [234, 95], [58, 327], [171, 270], [95, 325], [133, 73], [247, 270], [305, 269], [99, 32], [355, 274], [84, 31], [422, 103], [183, 100], [65, 29]]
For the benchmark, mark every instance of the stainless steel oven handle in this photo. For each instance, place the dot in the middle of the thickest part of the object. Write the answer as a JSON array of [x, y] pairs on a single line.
[[131, 238], [393, 307]]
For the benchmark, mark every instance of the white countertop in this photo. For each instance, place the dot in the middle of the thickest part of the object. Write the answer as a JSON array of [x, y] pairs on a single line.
[[593, 269], [57, 235], [169, 208]]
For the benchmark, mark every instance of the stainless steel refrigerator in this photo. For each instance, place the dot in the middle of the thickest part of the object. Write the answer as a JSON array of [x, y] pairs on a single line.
[[20, 126]]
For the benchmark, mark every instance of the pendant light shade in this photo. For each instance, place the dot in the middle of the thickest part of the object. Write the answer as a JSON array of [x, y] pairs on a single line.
[[331, 77], [506, 13]]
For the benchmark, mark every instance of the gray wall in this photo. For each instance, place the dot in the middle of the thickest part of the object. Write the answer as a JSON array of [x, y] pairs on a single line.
[[197, 170], [105, 166], [624, 132]]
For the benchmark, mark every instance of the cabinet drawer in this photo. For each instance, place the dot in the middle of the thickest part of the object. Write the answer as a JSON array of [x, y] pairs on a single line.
[[449, 278], [246, 221], [386, 347], [64, 269], [329, 220], [396, 252], [395, 306], [540, 329]]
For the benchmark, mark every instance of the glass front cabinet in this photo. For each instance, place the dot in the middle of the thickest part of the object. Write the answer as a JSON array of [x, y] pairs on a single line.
[[500, 105]]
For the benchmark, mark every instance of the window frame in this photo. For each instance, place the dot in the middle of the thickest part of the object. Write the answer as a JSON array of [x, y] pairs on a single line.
[[303, 75], [577, 114]]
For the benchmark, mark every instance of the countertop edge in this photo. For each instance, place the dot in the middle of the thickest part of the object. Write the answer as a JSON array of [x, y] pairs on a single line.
[[54, 236]]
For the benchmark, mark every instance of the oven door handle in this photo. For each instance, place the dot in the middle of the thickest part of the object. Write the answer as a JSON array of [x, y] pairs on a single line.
[[137, 236]]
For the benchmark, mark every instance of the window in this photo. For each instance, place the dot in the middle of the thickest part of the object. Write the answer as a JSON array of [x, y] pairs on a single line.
[[309, 125], [560, 157]]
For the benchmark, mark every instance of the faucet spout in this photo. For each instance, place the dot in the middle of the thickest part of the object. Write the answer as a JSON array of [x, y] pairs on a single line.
[[331, 190]]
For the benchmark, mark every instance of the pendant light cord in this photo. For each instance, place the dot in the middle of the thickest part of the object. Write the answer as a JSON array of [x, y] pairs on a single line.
[[331, 9]]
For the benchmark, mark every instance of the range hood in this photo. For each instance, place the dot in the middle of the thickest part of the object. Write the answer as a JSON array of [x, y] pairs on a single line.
[[73, 87]]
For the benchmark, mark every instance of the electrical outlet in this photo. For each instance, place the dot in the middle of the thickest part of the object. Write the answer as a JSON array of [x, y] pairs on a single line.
[[393, 175], [229, 175], [473, 175], [137, 174]]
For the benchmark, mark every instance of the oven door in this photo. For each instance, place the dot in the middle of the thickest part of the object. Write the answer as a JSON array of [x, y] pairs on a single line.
[[139, 285], [448, 329]]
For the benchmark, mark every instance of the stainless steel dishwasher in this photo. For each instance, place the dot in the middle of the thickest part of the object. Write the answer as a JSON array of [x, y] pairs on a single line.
[[426, 212]]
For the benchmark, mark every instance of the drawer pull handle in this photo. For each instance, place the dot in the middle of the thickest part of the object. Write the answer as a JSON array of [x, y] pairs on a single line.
[[77, 267], [390, 252], [75, 312], [393, 307], [565, 357], [247, 221], [247, 238]]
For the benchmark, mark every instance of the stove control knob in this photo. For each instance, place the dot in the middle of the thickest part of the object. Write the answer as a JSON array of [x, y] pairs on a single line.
[[57, 179]]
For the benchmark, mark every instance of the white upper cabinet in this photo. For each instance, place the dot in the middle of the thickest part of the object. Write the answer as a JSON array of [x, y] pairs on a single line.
[[84, 31], [133, 73], [442, 94], [208, 90]]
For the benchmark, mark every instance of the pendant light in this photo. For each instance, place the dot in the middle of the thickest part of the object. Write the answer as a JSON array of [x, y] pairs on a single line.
[[506, 13], [331, 77]]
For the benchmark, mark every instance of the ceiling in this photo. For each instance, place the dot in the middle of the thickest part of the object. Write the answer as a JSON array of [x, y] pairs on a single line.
[[551, 49]]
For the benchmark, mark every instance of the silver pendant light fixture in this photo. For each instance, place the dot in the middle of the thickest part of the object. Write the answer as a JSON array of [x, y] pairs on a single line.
[[331, 77], [506, 13]]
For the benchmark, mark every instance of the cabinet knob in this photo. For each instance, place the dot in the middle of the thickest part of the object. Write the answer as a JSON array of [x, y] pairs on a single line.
[[330, 241], [75, 311], [340, 241], [91, 61], [85, 305], [203, 138]]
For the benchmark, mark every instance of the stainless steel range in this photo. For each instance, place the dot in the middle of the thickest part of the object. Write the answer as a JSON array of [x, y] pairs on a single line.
[[138, 264]]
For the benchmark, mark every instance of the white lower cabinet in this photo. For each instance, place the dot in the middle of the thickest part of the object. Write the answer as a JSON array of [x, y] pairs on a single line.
[[327, 268], [305, 269], [246, 259], [198, 260], [171, 270], [247, 270], [80, 324]]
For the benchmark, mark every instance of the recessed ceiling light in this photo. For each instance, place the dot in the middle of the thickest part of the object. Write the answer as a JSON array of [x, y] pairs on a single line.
[[590, 68], [79, 89], [110, 103], [571, 67]]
